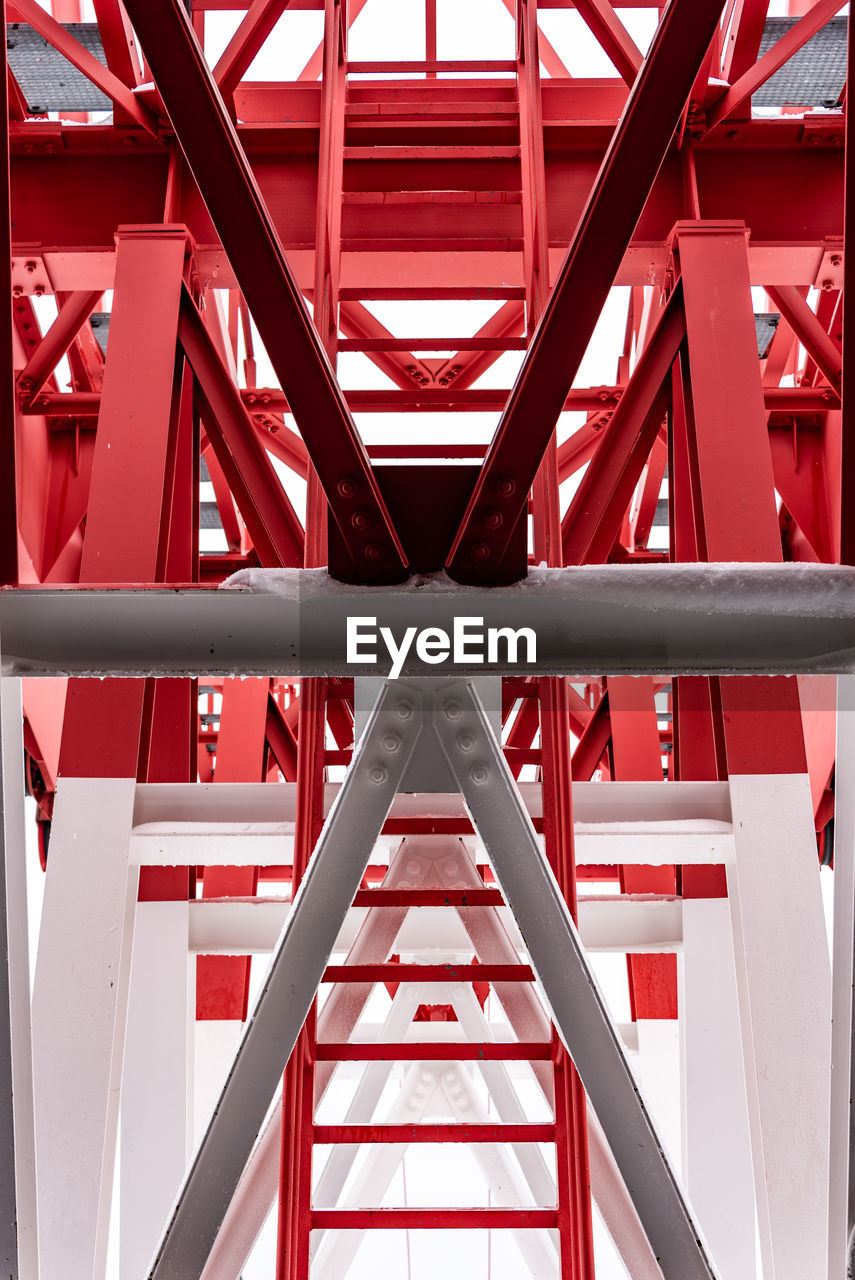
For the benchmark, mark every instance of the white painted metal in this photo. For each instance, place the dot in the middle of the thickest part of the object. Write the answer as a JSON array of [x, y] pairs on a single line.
[[79, 1013], [156, 1117], [716, 1143], [320, 906], [20, 1234], [578, 1009], [784, 988], [605, 924], [841, 1192]]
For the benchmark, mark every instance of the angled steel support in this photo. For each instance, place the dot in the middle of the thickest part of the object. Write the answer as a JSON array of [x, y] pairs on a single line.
[[809, 330], [59, 337], [224, 176], [623, 183], [593, 519], [558, 958], [323, 899], [272, 522]]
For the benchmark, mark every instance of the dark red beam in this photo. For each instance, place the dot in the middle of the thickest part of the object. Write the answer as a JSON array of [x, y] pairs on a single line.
[[227, 183], [626, 176]]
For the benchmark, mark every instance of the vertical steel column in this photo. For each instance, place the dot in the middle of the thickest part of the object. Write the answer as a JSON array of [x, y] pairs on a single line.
[[8, 491]]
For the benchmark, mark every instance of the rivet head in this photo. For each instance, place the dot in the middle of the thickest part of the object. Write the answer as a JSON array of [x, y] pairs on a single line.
[[466, 741], [480, 552], [452, 710], [391, 742], [493, 519], [378, 773], [346, 487], [507, 487], [404, 710], [479, 773], [360, 520], [374, 552]]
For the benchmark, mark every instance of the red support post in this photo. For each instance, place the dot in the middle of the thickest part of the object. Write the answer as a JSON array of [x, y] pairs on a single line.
[[8, 464]]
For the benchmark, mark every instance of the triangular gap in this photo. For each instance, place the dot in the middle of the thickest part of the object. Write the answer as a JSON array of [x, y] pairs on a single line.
[[578, 46]]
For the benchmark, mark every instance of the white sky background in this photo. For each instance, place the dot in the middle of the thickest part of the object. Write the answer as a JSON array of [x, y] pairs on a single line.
[[467, 29]]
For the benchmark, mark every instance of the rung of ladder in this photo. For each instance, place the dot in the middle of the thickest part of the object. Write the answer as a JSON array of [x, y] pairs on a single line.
[[428, 973], [390, 68], [432, 344], [431, 1219], [327, 1134], [436, 1051], [428, 898]]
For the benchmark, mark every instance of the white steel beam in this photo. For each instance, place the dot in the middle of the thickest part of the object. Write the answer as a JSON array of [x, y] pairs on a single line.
[[841, 1181], [784, 988], [325, 894], [578, 1009], [716, 1145], [80, 1002], [156, 1116], [18, 1215]]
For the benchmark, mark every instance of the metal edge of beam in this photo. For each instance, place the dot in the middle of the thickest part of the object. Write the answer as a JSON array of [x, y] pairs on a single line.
[[610, 620]]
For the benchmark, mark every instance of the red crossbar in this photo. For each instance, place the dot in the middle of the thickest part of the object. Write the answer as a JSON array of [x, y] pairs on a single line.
[[327, 1134]]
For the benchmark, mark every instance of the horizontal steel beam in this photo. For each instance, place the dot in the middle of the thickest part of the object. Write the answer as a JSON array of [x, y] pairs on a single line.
[[615, 619]]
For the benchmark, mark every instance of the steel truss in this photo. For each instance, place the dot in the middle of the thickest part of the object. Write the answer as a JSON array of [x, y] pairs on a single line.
[[222, 213]]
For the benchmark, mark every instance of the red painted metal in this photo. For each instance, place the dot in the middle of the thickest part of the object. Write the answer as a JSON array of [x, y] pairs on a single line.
[[424, 187], [628, 170], [231, 193]]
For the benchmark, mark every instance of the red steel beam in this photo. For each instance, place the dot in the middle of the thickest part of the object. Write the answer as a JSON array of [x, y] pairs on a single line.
[[8, 495], [53, 346], [269, 517], [805, 324], [252, 31], [593, 519], [847, 466], [625, 178], [782, 50], [613, 37], [221, 169]]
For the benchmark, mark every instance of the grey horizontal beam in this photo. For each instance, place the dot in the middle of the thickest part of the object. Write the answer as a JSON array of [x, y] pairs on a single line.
[[615, 619]]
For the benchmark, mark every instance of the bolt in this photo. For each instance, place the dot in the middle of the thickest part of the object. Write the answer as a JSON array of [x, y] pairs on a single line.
[[346, 487], [360, 520], [17, 290], [836, 259], [479, 773], [404, 710], [466, 741], [38, 290], [374, 552], [30, 266], [827, 285], [480, 552], [392, 742], [493, 519], [378, 773], [452, 710], [507, 487]]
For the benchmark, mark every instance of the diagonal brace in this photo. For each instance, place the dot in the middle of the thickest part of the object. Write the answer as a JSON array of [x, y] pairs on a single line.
[[296, 971], [558, 958]]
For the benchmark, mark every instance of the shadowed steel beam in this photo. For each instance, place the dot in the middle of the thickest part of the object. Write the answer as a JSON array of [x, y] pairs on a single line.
[[626, 176], [556, 953], [612, 619], [228, 186], [318, 912]]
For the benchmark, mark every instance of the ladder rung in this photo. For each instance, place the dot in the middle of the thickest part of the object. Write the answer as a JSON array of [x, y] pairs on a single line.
[[327, 1134], [428, 898], [428, 151], [432, 344], [390, 68], [428, 973], [436, 1051], [427, 1219]]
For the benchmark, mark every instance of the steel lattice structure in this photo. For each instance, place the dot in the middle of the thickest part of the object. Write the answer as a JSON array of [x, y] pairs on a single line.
[[664, 782]]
